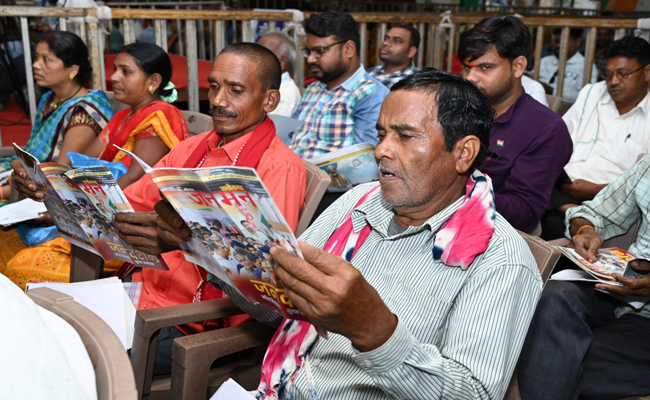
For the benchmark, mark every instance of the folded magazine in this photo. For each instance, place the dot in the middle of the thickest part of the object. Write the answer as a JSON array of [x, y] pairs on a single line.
[[81, 203], [348, 166], [609, 261], [234, 223]]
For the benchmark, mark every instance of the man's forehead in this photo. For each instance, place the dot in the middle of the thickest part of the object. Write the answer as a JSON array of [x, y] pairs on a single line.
[[399, 32], [232, 68], [491, 56], [621, 62], [313, 40]]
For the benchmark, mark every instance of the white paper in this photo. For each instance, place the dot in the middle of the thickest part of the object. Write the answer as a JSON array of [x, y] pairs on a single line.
[[230, 390], [104, 297], [4, 176], [285, 125], [574, 275], [20, 211]]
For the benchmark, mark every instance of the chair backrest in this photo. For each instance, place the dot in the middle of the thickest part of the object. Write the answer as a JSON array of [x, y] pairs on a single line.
[[545, 255], [117, 105], [317, 183], [554, 102], [197, 123], [113, 373]]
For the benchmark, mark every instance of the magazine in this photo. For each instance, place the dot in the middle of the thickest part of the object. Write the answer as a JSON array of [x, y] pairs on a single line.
[[608, 261], [349, 166], [234, 224], [81, 203]]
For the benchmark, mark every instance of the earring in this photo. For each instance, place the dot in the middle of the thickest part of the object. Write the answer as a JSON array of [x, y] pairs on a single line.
[[72, 75], [151, 89]]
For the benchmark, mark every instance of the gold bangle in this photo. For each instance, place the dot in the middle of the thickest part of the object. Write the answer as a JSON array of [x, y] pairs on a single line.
[[583, 227]]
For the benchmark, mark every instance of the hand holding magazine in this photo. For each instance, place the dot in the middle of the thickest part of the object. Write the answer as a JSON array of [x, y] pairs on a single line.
[[82, 203], [234, 224]]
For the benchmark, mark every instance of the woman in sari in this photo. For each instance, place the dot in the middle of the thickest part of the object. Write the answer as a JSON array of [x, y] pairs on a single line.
[[149, 129], [69, 117]]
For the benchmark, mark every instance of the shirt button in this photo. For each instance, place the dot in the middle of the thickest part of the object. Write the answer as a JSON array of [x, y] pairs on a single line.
[[146, 306], [367, 364]]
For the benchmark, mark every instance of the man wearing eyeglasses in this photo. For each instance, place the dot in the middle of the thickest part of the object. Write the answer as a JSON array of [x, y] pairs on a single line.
[[341, 108], [610, 127]]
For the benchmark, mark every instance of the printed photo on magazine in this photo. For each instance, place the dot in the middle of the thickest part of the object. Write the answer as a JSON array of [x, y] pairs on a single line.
[[234, 223], [608, 261], [81, 203], [349, 166]]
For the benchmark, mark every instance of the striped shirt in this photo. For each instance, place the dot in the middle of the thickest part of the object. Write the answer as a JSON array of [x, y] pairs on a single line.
[[337, 118], [459, 332], [616, 208]]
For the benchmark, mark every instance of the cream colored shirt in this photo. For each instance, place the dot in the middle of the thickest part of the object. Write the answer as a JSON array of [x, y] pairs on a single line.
[[289, 97], [573, 75]]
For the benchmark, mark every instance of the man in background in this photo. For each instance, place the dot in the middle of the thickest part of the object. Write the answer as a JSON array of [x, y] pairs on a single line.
[[285, 50], [397, 52]]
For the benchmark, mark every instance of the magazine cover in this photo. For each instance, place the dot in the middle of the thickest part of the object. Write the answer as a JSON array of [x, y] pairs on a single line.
[[349, 166], [235, 223], [608, 261]]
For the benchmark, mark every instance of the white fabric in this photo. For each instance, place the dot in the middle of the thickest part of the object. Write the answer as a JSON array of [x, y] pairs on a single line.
[[42, 355], [289, 97], [605, 144], [534, 89], [643, 28], [573, 75]]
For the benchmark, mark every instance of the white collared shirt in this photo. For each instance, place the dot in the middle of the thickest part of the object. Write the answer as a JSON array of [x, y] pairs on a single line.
[[289, 97], [534, 89], [573, 75], [619, 138]]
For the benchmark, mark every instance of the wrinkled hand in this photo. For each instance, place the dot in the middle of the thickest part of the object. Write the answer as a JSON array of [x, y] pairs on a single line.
[[24, 185], [631, 287], [335, 296], [581, 189], [140, 230], [587, 244], [171, 227]]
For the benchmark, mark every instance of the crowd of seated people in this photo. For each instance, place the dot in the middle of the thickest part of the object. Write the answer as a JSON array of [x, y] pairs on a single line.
[[462, 161]]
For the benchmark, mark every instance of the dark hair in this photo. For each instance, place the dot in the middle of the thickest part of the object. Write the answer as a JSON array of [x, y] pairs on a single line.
[[71, 50], [508, 35], [575, 33], [338, 24], [151, 59], [463, 109], [269, 71], [414, 40], [629, 47]]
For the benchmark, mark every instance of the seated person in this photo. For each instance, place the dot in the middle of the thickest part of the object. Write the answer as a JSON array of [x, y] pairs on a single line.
[[285, 50], [549, 67], [610, 127], [150, 128], [69, 117], [453, 327], [397, 52], [586, 343], [534, 89], [529, 143], [341, 108]]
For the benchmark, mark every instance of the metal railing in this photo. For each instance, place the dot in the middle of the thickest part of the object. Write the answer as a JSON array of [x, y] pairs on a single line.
[[439, 41]]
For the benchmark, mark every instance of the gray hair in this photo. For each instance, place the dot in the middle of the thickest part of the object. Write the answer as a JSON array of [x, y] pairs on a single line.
[[287, 48]]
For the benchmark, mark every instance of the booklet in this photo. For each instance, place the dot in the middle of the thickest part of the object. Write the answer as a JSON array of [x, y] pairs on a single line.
[[234, 224], [81, 203], [609, 261], [349, 166]]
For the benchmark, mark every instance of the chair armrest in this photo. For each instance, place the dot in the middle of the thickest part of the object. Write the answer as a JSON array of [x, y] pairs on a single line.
[[149, 322], [193, 355], [6, 151], [561, 242]]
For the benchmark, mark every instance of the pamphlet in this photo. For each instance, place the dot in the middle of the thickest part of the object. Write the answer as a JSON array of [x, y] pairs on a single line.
[[608, 261], [349, 166]]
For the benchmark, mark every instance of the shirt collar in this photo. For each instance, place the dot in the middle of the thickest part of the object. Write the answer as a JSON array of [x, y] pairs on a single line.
[[351, 81], [231, 149], [286, 77], [507, 116]]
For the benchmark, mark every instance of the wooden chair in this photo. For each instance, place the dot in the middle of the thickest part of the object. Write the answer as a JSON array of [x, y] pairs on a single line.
[[554, 102], [114, 377], [197, 123]]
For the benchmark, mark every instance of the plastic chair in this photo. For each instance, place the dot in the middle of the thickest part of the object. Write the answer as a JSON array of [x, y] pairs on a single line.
[[114, 377], [317, 183], [197, 123], [554, 102]]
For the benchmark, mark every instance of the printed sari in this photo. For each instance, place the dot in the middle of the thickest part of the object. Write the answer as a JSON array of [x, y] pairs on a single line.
[[50, 127]]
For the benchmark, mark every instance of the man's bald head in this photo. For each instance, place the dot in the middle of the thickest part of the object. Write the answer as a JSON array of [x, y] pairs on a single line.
[[268, 71], [283, 47]]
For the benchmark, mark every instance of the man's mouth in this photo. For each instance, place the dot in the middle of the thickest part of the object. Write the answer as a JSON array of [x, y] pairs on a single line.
[[387, 173]]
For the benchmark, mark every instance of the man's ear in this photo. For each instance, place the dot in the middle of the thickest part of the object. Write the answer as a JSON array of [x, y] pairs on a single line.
[[271, 100], [465, 151], [349, 49], [646, 73], [519, 65], [412, 51]]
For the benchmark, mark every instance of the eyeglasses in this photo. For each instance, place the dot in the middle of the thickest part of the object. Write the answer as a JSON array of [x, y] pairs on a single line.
[[621, 75], [318, 51]]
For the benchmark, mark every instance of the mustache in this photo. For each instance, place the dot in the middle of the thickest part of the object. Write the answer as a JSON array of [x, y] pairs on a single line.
[[222, 111], [385, 170], [315, 65]]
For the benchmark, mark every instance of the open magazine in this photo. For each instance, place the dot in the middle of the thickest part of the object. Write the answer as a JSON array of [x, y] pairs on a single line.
[[608, 261], [234, 224], [82, 203], [348, 166]]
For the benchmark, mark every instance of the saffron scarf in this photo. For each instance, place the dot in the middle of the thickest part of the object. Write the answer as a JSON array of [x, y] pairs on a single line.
[[164, 119], [466, 235]]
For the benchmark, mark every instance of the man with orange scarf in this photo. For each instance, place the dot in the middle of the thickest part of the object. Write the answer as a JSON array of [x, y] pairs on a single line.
[[244, 86]]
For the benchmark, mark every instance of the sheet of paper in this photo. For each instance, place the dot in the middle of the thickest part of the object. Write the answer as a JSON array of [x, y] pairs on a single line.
[[579, 275], [285, 125], [230, 390], [20, 211], [104, 297], [4, 176]]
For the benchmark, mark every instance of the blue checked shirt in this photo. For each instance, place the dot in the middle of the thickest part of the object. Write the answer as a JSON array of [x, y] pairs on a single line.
[[389, 80], [616, 208], [337, 118]]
